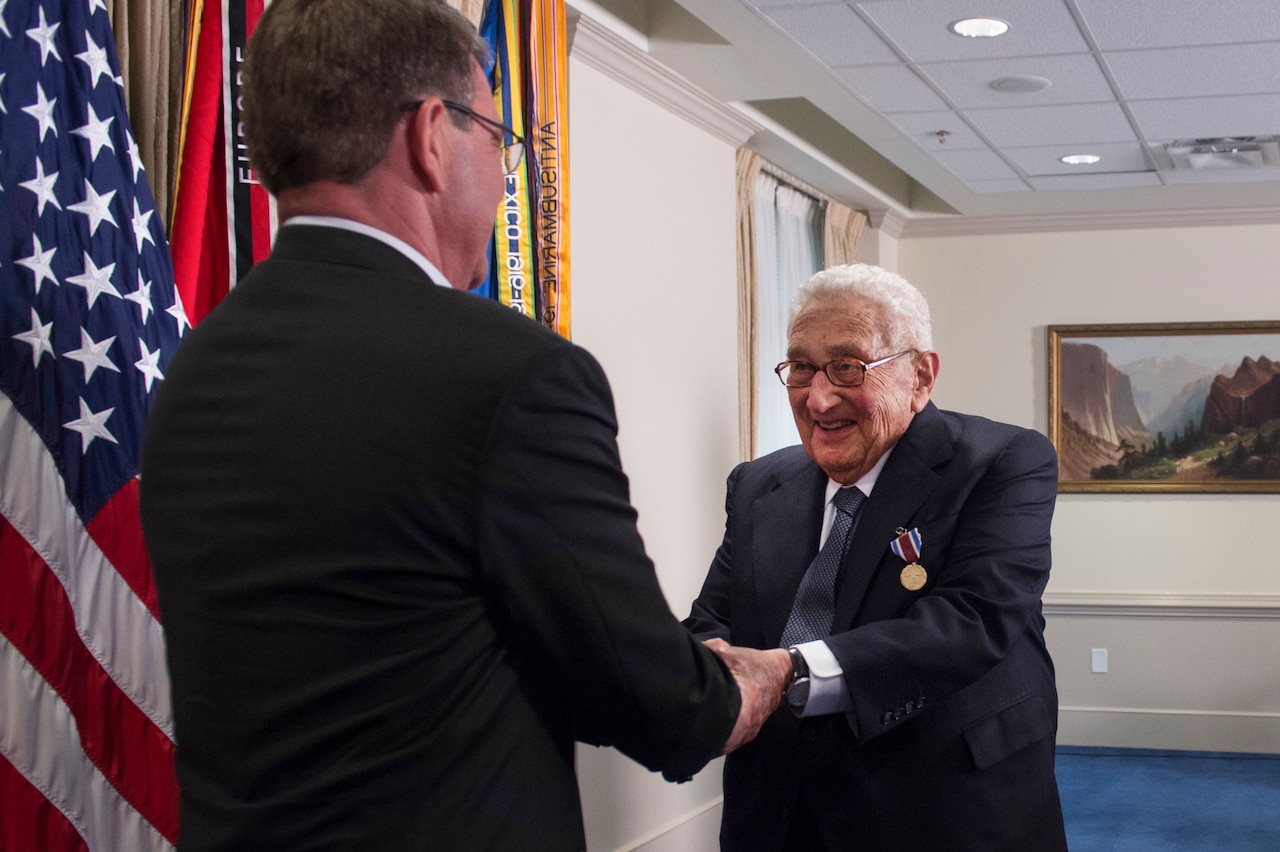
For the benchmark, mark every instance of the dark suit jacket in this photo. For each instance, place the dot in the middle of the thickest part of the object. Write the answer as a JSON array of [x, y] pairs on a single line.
[[399, 571], [949, 745]]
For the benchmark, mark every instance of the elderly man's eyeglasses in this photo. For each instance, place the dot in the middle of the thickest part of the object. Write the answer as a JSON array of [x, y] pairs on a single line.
[[842, 372], [512, 151]]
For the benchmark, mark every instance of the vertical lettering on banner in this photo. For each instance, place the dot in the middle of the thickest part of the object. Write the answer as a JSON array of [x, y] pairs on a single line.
[[548, 59]]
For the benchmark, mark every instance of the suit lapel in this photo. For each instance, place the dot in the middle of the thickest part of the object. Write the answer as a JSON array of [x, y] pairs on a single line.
[[909, 476], [787, 521]]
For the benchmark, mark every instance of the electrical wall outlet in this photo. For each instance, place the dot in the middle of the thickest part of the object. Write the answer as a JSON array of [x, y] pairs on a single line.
[[1098, 660]]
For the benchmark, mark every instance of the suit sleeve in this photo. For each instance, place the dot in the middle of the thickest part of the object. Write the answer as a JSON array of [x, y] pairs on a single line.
[[709, 617], [994, 553], [560, 549]]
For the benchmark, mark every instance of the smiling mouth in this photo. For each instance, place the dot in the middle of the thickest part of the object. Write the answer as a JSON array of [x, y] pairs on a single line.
[[834, 425]]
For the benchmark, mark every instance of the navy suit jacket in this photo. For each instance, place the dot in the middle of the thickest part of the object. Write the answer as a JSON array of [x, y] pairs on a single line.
[[949, 743], [399, 570]]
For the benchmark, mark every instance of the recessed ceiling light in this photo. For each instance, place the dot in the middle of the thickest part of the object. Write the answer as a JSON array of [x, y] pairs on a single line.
[[1022, 83], [1080, 159], [980, 27]]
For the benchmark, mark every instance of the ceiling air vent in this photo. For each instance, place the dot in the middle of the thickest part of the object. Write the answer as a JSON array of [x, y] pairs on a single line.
[[1227, 152]]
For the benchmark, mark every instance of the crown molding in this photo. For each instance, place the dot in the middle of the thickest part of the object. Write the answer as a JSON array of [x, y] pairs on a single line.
[[609, 53], [889, 222], [1137, 605], [936, 226]]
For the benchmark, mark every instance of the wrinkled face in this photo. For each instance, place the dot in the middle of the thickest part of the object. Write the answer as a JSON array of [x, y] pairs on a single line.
[[846, 430]]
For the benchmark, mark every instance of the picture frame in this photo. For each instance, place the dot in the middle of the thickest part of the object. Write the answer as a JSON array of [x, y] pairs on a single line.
[[1166, 407]]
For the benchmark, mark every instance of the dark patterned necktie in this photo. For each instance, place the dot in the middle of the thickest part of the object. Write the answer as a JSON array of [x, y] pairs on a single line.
[[815, 602]]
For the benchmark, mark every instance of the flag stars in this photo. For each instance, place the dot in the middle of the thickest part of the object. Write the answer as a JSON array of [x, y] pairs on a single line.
[[95, 281], [142, 226], [40, 263], [149, 364], [4, 26], [178, 314], [97, 132], [141, 297], [92, 354], [44, 36], [95, 206], [91, 425], [96, 59], [42, 186], [37, 338], [135, 156], [42, 110]]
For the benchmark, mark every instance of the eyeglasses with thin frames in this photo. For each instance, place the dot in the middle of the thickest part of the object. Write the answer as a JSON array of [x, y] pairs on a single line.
[[512, 152], [841, 372]]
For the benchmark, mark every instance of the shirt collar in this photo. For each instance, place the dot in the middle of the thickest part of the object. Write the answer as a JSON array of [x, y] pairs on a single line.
[[868, 480], [382, 236]]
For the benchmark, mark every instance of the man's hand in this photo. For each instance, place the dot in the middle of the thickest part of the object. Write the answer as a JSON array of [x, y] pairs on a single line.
[[762, 678]]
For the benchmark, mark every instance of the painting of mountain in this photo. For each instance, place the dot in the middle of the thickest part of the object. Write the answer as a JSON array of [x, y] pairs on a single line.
[[1175, 408]]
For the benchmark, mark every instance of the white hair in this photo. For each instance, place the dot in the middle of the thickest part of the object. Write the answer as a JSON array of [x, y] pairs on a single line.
[[905, 310]]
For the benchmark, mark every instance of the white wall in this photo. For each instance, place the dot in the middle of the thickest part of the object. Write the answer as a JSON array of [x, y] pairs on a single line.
[[1182, 590], [993, 297], [1178, 588], [653, 292]]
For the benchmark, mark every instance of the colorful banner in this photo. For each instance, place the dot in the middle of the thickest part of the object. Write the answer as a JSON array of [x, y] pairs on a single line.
[[223, 220], [530, 263]]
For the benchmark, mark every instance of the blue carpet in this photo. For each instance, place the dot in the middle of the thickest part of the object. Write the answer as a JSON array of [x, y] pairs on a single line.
[[1142, 800]]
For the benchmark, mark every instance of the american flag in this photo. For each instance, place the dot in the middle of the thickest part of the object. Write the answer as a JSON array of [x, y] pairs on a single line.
[[88, 322]]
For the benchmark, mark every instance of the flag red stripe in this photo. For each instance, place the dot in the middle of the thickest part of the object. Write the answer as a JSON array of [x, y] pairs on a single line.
[[30, 821], [117, 530], [126, 746]]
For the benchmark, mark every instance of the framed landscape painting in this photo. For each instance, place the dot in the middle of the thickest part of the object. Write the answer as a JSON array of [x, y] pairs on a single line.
[[1166, 407]]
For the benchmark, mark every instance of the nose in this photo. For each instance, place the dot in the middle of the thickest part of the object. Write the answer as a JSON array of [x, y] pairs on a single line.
[[822, 395]]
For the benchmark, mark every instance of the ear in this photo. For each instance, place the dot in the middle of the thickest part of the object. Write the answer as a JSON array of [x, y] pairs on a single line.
[[431, 143], [927, 364]]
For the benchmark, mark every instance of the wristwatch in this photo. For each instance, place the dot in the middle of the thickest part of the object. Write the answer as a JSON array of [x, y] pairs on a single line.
[[798, 694]]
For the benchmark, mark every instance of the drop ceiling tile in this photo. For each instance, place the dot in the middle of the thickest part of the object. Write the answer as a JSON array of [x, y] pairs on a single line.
[[1066, 124], [832, 33], [1198, 118], [1119, 24], [923, 127], [991, 186], [975, 165], [1075, 78], [1116, 157], [1238, 69], [891, 88], [919, 27], [1099, 181]]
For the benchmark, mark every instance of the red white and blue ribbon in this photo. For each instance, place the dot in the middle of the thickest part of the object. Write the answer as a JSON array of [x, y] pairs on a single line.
[[907, 545]]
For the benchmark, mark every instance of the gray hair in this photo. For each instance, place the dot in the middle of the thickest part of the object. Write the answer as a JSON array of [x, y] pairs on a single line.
[[905, 311]]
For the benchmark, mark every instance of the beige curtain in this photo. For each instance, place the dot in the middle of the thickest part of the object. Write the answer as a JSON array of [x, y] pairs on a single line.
[[840, 234], [149, 40], [748, 169], [470, 9]]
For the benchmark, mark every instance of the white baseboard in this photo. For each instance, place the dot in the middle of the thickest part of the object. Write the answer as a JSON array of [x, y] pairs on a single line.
[[1189, 730]]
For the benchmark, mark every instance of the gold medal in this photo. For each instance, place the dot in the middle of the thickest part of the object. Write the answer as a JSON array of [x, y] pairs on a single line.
[[913, 577]]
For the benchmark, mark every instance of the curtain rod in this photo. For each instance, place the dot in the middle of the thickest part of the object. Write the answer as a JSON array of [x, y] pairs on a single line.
[[793, 181]]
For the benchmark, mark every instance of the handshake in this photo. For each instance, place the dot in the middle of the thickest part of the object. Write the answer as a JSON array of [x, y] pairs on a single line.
[[763, 678]]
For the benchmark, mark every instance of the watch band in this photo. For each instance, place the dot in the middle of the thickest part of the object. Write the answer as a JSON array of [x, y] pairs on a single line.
[[797, 694], [799, 665]]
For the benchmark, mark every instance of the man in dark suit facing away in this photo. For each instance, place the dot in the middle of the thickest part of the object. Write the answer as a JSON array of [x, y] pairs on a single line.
[[396, 559], [923, 710]]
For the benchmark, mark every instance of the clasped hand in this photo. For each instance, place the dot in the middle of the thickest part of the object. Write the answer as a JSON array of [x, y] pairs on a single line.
[[762, 677]]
